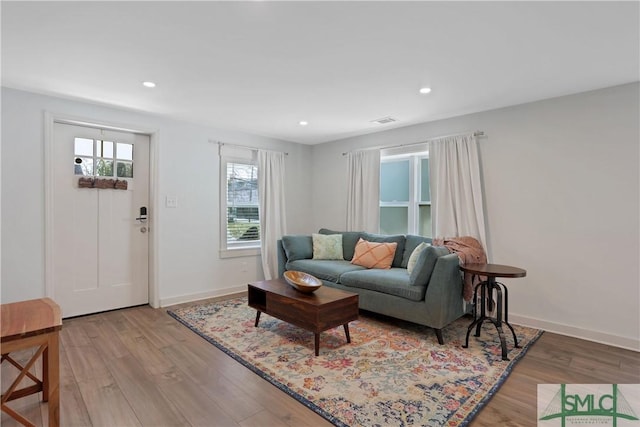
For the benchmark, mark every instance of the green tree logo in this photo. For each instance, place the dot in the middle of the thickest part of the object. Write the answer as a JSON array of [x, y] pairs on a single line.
[[589, 407]]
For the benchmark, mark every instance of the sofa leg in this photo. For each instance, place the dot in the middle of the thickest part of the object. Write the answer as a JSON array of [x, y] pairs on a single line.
[[439, 335]]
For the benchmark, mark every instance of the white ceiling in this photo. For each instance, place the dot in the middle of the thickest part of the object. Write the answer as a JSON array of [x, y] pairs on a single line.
[[261, 67]]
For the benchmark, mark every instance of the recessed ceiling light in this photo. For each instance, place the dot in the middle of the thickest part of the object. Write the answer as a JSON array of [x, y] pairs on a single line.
[[148, 84], [303, 123], [425, 90]]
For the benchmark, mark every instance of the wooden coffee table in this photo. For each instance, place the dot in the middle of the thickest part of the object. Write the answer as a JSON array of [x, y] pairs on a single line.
[[322, 310]]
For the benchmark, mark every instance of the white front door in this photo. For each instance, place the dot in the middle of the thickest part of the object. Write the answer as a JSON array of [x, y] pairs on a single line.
[[100, 239]]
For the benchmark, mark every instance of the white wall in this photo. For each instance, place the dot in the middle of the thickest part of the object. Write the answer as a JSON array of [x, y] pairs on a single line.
[[187, 237], [561, 180]]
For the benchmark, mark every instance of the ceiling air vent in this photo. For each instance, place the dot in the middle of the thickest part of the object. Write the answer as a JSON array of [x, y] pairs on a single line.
[[384, 120]]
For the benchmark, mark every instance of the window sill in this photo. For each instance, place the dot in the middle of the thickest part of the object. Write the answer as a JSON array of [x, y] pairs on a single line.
[[239, 252]]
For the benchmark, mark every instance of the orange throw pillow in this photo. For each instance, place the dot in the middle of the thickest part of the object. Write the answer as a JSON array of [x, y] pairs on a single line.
[[374, 255]]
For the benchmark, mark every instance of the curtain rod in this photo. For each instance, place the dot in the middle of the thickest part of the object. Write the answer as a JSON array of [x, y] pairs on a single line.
[[477, 133], [246, 146]]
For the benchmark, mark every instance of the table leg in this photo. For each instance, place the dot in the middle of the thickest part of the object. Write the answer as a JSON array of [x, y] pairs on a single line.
[[346, 332], [45, 375], [476, 320], [503, 344], [257, 319], [498, 321], [506, 315], [484, 288], [53, 379], [515, 339], [470, 328], [317, 343]]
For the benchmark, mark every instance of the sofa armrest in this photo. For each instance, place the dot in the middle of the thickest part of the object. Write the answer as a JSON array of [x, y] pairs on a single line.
[[444, 292], [282, 258]]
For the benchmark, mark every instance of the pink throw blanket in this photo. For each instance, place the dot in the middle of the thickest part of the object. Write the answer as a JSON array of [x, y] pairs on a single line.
[[470, 251]]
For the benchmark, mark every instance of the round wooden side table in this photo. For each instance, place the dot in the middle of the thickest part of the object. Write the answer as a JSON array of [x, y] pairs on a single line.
[[486, 288]]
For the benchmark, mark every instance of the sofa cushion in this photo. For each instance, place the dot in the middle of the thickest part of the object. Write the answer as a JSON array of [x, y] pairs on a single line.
[[330, 270], [297, 247], [413, 259], [398, 238], [349, 240], [374, 255], [410, 244], [327, 246], [424, 266], [393, 282]]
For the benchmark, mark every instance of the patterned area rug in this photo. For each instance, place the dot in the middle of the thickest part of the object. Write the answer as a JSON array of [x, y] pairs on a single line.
[[393, 373]]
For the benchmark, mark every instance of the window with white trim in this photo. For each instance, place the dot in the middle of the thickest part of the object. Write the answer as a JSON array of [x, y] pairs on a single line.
[[239, 205], [405, 195]]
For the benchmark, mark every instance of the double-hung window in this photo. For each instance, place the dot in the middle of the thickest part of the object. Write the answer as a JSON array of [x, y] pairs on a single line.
[[405, 195], [239, 202]]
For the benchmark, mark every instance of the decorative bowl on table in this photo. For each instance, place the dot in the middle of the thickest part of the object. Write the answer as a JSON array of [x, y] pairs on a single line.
[[302, 281]]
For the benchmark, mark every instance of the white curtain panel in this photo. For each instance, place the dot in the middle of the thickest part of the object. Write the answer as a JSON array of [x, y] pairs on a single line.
[[456, 192], [363, 194], [271, 179]]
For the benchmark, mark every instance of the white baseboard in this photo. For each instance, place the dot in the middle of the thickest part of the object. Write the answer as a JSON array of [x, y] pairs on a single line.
[[180, 299], [572, 331]]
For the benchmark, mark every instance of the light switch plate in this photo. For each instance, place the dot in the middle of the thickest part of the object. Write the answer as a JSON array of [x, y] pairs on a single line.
[[171, 202]]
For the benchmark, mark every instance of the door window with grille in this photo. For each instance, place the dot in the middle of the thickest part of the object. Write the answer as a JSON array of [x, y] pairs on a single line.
[[96, 157]]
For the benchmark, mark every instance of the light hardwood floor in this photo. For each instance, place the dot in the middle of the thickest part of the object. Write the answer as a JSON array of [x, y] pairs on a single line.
[[139, 366]]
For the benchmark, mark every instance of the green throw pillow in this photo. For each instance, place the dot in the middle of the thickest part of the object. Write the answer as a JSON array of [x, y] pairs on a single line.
[[297, 247], [425, 265], [327, 246], [349, 241], [413, 259]]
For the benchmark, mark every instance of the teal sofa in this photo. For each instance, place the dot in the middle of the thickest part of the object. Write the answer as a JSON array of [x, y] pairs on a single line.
[[431, 295]]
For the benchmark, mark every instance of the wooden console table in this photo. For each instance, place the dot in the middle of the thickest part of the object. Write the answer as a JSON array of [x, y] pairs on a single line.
[[491, 271], [27, 324]]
